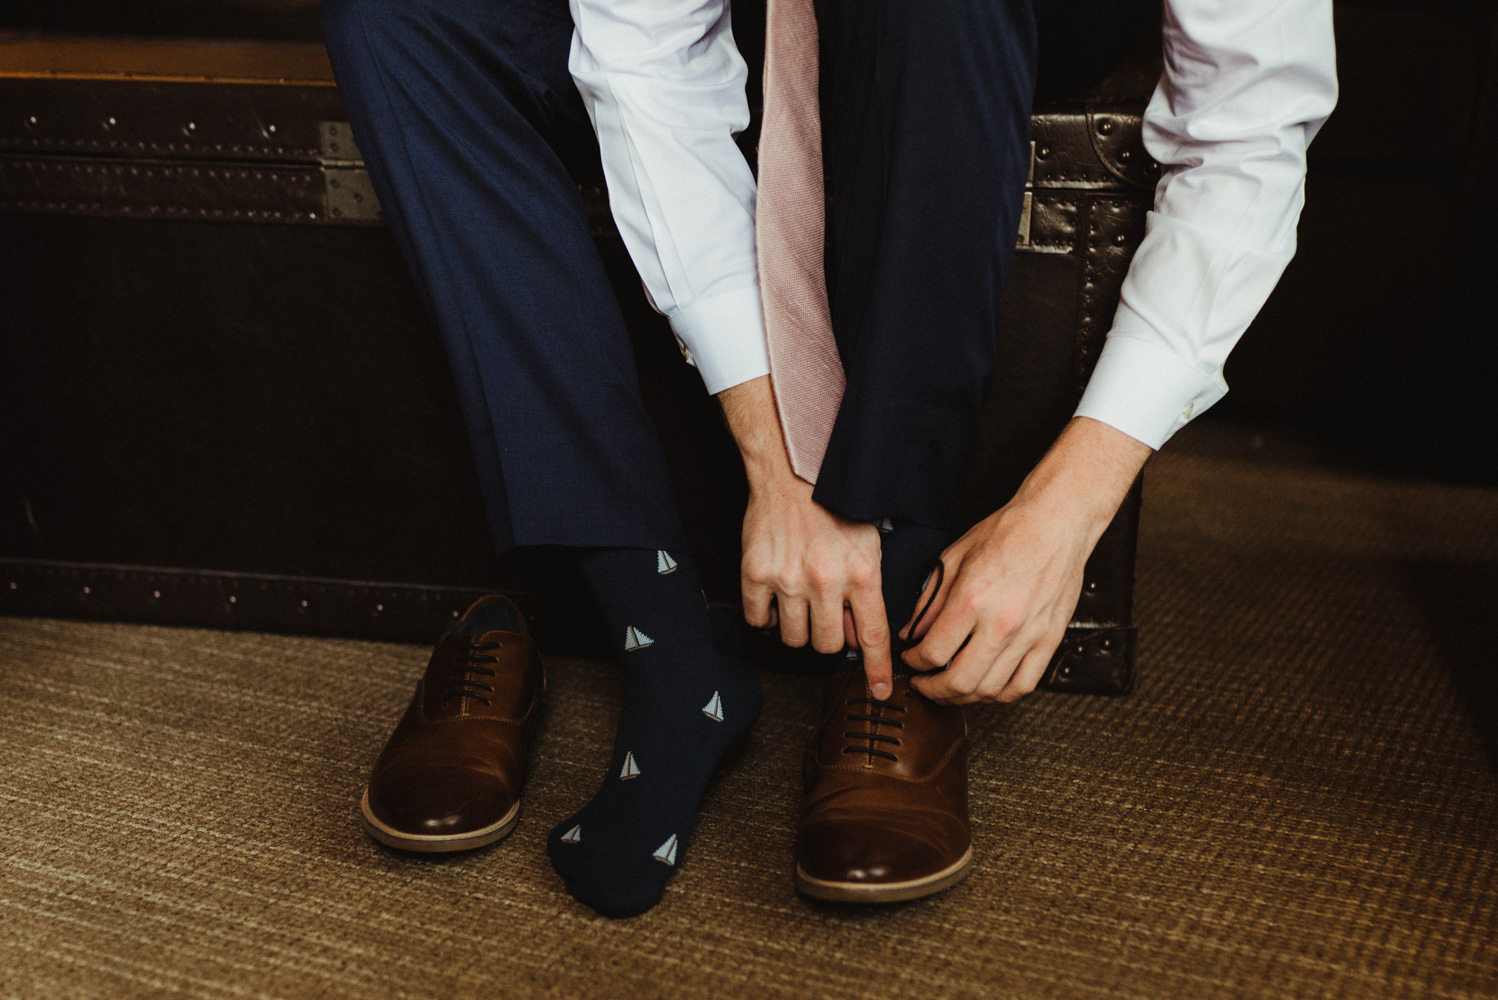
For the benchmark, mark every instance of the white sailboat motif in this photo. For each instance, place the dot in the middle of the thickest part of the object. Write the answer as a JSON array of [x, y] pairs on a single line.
[[664, 563], [666, 853], [885, 525], [573, 836], [635, 639], [630, 769], [714, 708]]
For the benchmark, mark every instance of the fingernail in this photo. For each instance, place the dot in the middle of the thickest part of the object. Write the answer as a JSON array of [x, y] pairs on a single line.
[[881, 691]]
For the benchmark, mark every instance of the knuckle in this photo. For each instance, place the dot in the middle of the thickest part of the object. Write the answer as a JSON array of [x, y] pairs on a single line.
[[1006, 621], [1016, 690], [821, 573], [962, 684], [874, 634], [989, 691], [863, 573]]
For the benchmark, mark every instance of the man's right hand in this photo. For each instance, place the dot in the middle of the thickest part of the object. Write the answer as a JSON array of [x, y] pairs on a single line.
[[821, 571]]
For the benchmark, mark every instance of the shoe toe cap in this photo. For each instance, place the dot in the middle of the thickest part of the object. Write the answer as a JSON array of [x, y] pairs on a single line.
[[439, 801], [872, 854]]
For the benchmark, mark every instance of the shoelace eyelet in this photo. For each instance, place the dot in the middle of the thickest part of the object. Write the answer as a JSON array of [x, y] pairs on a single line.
[[468, 667], [875, 717]]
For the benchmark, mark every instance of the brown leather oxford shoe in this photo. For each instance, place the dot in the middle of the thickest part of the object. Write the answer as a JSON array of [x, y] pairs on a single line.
[[886, 817], [449, 778]]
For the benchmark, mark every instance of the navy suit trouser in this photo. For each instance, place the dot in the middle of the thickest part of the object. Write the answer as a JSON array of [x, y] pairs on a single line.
[[469, 123]]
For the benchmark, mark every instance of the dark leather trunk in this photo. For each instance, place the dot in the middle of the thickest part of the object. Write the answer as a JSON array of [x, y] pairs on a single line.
[[222, 405]]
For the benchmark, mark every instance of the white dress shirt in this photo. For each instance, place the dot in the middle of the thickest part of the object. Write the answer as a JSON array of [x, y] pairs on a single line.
[[664, 85], [1246, 87]]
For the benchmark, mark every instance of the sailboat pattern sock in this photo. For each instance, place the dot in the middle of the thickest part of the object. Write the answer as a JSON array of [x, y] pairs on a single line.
[[685, 704]]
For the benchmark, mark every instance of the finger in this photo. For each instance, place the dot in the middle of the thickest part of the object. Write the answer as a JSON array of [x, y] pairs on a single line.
[[934, 589], [951, 686], [756, 599], [826, 624], [850, 629], [966, 673], [794, 616], [1032, 668], [867, 605], [999, 669], [957, 621]]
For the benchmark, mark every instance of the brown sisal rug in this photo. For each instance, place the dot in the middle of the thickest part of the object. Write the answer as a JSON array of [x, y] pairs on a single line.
[[1297, 801]]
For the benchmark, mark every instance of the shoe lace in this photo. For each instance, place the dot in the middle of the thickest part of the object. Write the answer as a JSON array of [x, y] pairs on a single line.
[[874, 714], [468, 667], [875, 717]]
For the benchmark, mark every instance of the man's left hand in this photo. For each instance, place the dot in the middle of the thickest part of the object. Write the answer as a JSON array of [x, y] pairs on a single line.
[[1011, 583]]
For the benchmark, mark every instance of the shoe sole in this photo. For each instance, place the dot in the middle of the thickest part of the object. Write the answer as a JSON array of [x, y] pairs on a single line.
[[884, 892], [426, 843]]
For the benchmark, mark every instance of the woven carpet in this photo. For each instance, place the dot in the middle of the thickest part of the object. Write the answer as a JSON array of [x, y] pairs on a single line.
[[1298, 800]]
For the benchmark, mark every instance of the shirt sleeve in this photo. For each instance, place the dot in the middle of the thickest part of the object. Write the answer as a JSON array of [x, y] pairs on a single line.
[[663, 83], [1245, 89]]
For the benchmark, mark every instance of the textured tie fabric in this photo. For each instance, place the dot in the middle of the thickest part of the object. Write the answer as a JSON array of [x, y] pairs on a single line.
[[805, 370]]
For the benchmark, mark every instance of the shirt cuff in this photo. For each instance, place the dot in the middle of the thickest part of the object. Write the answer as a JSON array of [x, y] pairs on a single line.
[[724, 336], [1146, 390]]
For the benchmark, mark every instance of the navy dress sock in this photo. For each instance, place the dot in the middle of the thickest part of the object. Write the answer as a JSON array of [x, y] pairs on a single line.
[[908, 551], [687, 700]]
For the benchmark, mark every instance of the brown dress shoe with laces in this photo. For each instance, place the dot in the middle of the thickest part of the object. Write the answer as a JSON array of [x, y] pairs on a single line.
[[886, 818], [449, 778]]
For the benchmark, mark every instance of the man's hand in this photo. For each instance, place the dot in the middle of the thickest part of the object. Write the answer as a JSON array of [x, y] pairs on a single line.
[[821, 570], [1012, 582]]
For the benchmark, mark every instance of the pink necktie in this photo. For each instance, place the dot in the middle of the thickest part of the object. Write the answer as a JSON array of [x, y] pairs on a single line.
[[805, 370]]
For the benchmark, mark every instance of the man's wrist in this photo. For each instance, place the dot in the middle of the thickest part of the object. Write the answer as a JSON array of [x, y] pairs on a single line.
[[1087, 472], [749, 408]]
